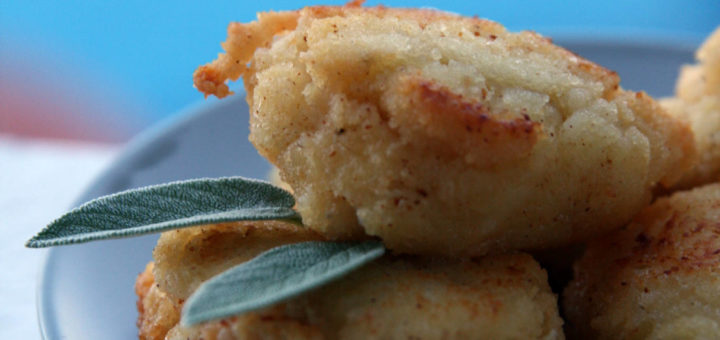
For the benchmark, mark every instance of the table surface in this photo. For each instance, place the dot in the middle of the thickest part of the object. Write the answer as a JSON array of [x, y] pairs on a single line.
[[40, 180]]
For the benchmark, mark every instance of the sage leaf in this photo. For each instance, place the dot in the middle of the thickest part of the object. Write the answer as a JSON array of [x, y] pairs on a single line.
[[168, 206], [276, 275]]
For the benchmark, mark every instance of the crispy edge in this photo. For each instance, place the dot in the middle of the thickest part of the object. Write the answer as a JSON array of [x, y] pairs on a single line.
[[157, 313], [244, 39]]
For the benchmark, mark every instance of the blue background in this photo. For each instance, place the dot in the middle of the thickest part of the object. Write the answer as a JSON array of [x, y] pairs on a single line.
[[127, 64]]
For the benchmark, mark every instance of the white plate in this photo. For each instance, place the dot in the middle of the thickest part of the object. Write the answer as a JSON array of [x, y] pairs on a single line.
[[86, 291]]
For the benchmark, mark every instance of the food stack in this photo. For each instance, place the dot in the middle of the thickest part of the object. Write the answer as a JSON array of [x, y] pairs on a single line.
[[459, 145], [463, 148]]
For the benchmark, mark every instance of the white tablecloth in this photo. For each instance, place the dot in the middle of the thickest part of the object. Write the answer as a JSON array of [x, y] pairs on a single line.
[[39, 180]]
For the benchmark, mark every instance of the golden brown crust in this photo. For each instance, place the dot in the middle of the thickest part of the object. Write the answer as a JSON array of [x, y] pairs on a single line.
[[704, 118], [465, 127], [449, 135], [502, 297], [703, 79], [157, 312], [697, 101], [499, 297], [658, 276], [186, 257], [143, 283], [245, 39]]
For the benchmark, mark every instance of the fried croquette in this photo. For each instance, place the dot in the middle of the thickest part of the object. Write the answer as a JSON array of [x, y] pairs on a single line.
[[697, 101], [158, 312], [184, 258], [396, 297], [658, 278], [443, 134]]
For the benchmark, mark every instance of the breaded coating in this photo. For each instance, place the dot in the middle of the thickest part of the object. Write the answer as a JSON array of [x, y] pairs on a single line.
[[697, 101], [443, 134], [185, 258], [658, 278], [396, 297], [157, 312]]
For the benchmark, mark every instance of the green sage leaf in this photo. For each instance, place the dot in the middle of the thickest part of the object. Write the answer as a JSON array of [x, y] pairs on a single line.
[[169, 206], [276, 275]]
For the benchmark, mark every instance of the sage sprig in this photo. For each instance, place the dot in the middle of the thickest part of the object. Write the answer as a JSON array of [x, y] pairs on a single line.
[[271, 277], [169, 206], [276, 275]]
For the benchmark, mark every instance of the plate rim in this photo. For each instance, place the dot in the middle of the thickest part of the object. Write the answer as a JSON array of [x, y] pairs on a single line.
[[134, 148]]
